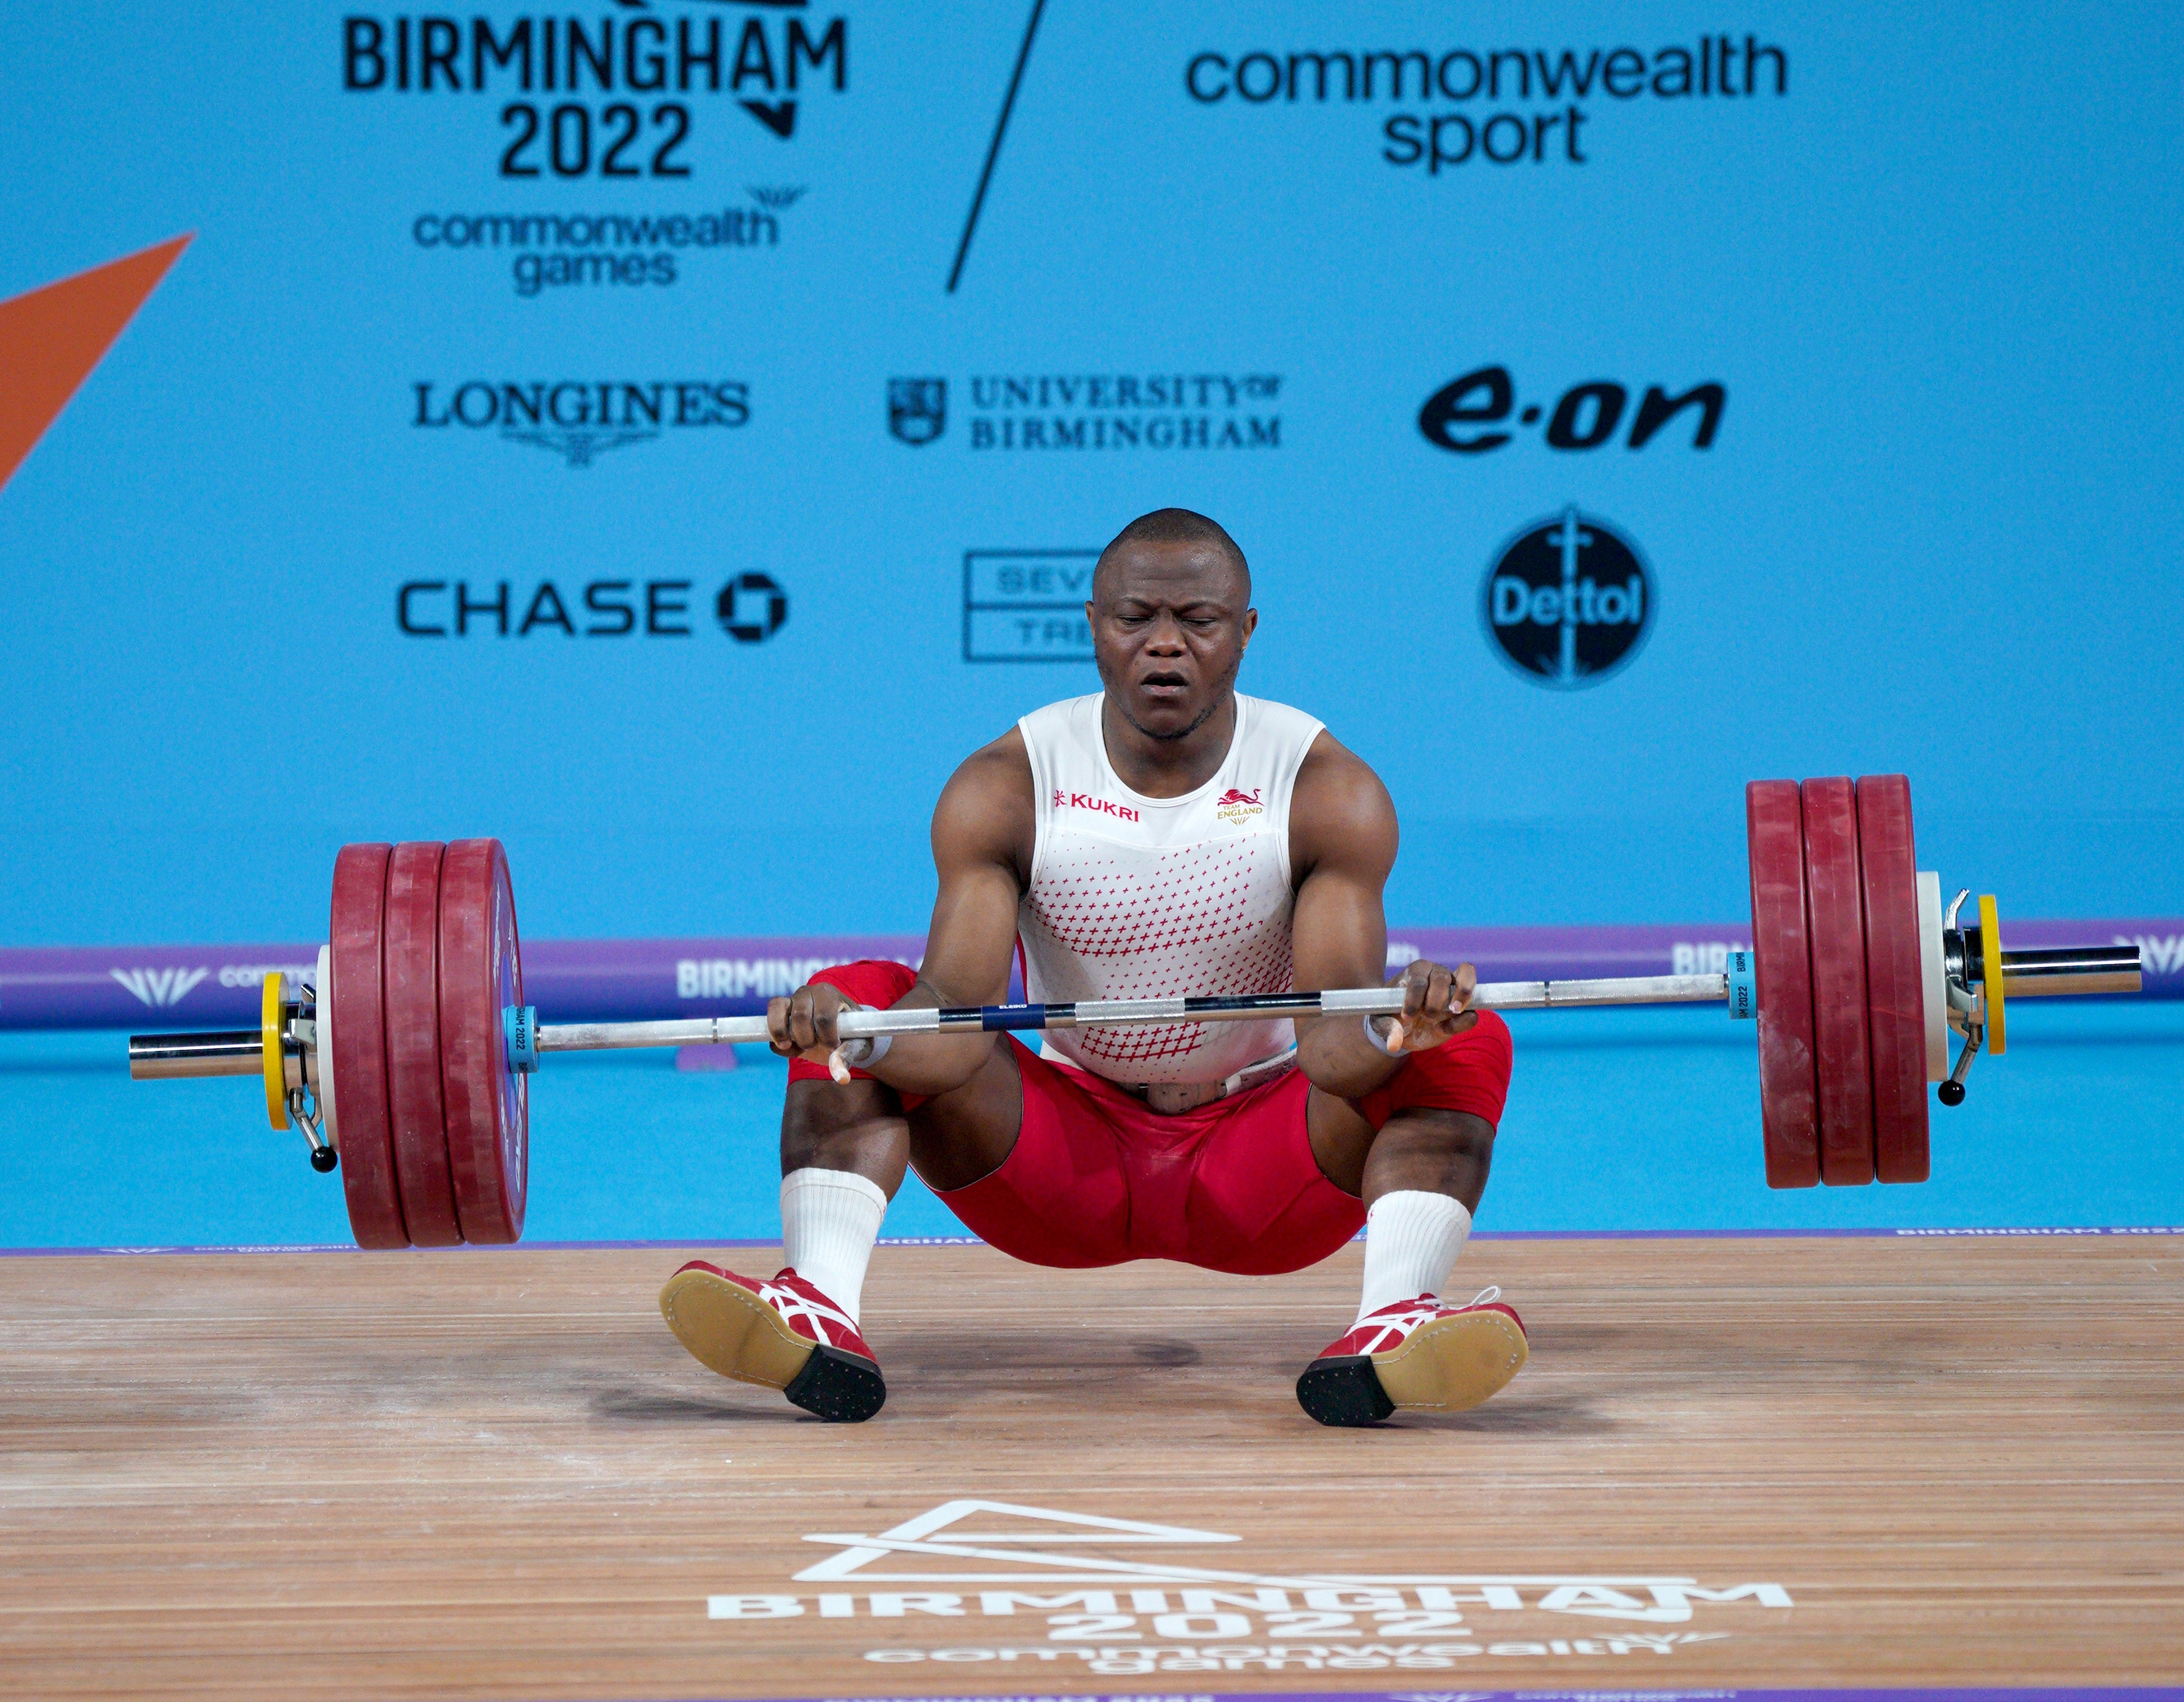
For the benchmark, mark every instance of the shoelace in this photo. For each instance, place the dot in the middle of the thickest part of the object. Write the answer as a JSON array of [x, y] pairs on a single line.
[[1492, 1291]]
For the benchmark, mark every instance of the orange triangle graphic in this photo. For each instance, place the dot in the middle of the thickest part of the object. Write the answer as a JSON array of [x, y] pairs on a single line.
[[51, 338]]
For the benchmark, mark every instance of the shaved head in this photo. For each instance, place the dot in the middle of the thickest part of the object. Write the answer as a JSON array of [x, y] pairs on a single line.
[[1170, 613], [1176, 526]]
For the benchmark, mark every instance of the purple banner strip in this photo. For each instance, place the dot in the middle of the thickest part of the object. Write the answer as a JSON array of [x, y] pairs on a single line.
[[605, 980], [685, 1242]]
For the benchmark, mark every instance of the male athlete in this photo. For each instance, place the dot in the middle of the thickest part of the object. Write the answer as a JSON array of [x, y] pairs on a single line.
[[1165, 836]]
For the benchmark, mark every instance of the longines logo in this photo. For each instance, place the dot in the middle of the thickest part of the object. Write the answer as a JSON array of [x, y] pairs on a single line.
[[1096, 410], [582, 419]]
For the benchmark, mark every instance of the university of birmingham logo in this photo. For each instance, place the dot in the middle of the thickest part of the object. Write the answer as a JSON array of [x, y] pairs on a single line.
[[917, 408]]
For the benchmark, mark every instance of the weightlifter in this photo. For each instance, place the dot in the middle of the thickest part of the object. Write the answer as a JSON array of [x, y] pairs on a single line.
[[1166, 836]]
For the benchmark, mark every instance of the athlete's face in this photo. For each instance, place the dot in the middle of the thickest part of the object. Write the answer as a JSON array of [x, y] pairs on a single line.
[[1169, 625]]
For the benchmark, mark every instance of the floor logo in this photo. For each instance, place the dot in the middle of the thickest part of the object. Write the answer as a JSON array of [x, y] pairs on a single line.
[[1054, 1586], [1568, 601], [917, 408]]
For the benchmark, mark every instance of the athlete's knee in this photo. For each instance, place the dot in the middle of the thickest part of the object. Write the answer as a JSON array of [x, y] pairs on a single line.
[[850, 1126], [1441, 1129], [1434, 1149]]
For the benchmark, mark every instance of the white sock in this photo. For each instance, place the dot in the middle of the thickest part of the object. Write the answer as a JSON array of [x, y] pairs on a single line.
[[1411, 1239], [829, 1221]]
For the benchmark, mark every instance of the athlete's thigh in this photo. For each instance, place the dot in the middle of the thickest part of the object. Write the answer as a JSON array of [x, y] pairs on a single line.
[[1341, 1139], [1060, 1194], [959, 1137]]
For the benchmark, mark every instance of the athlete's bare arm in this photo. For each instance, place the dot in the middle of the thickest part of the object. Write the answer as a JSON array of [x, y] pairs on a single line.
[[1342, 845], [982, 834]]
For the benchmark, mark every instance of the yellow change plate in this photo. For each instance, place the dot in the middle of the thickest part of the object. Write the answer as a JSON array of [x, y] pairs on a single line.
[[1991, 968], [277, 1075]]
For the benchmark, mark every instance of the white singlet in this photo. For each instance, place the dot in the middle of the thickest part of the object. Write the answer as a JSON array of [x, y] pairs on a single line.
[[1144, 898]]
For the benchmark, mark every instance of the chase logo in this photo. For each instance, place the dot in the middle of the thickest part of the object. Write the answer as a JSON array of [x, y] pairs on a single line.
[[1568, 601]]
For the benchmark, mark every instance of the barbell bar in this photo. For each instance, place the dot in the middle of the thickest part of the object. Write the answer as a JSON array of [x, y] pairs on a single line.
[[410, 1055]]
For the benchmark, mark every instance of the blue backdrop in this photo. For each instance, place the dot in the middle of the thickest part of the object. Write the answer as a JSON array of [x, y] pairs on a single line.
[[1931, 266]]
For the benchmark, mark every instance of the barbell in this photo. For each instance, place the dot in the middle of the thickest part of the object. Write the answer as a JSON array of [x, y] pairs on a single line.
[[406, 1061]]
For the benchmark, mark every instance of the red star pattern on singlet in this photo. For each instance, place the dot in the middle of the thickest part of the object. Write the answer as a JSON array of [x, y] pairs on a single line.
[[1203, 920]]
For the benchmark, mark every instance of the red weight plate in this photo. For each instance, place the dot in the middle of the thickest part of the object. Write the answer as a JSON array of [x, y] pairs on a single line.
[[1842, 1051], [413, 1045], [355, 1014], [1789, 1108], [1895, 996], [488, 1110]]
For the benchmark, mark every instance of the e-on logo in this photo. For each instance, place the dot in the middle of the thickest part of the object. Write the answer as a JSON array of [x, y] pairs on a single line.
[[1568, 601]]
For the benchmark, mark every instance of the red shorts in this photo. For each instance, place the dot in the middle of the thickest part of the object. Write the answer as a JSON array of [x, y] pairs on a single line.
[[1098, 1177]]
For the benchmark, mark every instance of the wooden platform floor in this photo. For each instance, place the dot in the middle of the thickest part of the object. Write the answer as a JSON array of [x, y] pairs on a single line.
[[1893, 1462]]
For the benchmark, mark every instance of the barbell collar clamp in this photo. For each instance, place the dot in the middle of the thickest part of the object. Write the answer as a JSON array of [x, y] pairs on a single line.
[[1743, 978]]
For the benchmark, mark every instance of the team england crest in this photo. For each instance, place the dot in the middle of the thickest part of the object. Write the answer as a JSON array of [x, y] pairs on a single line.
[[917, 408]]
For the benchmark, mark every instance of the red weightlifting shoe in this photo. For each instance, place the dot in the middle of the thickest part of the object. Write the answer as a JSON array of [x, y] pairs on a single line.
[[1416, 1355], [782, 1334]]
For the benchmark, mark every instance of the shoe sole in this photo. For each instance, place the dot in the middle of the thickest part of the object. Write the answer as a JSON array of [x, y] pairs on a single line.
[[729, 1330], [1447, 1366]]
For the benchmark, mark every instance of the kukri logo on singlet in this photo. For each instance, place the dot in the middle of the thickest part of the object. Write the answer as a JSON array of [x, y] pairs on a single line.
[[1082, 800]]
